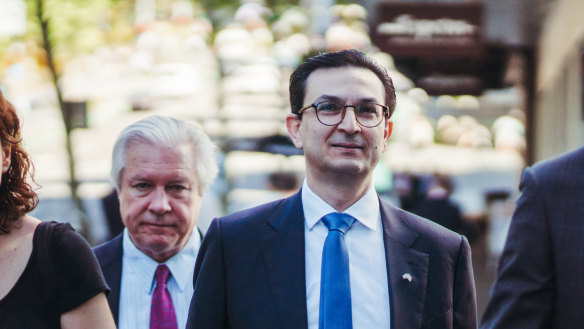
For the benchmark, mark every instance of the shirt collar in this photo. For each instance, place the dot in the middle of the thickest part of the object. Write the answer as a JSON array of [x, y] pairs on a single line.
[[365, 210], [179, 264]]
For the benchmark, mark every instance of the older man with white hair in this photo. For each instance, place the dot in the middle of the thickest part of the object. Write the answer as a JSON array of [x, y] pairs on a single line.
[[161, 167]]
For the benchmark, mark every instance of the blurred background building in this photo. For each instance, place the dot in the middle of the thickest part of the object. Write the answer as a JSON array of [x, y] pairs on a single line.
[[484, 88]]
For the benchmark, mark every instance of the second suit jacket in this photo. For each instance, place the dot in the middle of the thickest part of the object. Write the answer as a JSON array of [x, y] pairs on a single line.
[[540, 277], [250, 271], [109, 255]]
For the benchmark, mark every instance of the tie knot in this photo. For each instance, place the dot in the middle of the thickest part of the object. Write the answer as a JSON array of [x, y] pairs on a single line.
[[162, 274], [338, 221]]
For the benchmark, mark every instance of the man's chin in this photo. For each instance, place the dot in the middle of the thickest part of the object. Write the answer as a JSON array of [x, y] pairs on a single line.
[[161, 255], [157, 247], [350, 167]]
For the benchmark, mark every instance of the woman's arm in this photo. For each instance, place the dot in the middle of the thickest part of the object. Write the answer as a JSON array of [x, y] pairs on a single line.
[[94, 313]]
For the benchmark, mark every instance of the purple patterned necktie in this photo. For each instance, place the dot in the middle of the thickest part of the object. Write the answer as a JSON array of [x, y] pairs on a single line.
[[162, 315]]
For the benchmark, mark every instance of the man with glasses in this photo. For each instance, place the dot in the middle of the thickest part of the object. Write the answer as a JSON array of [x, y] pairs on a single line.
[[333, 255]]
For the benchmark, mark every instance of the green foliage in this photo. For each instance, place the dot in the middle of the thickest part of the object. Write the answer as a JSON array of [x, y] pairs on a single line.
[[79, 26]]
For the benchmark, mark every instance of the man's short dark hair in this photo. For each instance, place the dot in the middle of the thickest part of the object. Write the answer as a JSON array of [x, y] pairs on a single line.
[[342, 58]]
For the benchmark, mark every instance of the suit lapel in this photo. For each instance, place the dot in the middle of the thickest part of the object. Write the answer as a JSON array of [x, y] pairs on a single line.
[[407, 270], [282, 248], [110, 259]]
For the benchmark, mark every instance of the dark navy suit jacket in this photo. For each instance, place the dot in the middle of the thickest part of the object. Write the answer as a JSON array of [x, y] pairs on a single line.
[[250, 271], [109, 254], [540, 283]]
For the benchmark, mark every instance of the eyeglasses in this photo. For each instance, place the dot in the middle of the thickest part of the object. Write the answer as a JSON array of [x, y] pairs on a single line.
[[332, 113]]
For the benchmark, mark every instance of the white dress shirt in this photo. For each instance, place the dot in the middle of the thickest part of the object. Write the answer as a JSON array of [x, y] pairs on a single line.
[[138, 283], [367, 268]]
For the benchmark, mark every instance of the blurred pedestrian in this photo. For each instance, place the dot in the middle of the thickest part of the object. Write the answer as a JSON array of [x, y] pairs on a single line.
[[539, 282], [111, 208], [437, 205], [161, 168], [50, 278]]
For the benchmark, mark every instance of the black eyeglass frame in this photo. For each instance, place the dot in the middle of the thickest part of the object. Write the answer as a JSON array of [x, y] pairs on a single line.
[[385, 113]]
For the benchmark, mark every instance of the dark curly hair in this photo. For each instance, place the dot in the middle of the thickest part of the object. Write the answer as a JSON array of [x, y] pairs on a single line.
[[17, 196]]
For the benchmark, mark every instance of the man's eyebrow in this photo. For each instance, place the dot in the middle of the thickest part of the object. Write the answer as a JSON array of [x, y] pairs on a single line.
[[368, 100], [332, 98], [179, 180], [138, 177], [329, 98]]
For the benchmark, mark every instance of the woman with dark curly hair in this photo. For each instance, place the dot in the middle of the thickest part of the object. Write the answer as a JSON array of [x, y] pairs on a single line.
[[49, 275]]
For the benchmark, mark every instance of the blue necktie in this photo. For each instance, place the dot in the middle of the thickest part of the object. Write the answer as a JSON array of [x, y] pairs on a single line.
[[335, 288]]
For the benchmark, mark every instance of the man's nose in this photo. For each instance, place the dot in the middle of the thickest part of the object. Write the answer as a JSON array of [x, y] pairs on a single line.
[[160, 201], [349, 123]]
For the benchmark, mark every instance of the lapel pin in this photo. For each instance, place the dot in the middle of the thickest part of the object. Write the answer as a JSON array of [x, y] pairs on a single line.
[[407, 276]]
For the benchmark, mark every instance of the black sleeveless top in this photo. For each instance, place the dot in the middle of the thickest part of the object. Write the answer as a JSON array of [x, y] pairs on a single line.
[[77, 279]]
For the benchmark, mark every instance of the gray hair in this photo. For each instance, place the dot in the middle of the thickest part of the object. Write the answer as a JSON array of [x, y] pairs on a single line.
[[168, 132]]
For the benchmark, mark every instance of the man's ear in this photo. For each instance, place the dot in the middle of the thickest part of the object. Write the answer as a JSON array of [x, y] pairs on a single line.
[[387, 131], [293, 126], [6, 160]]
